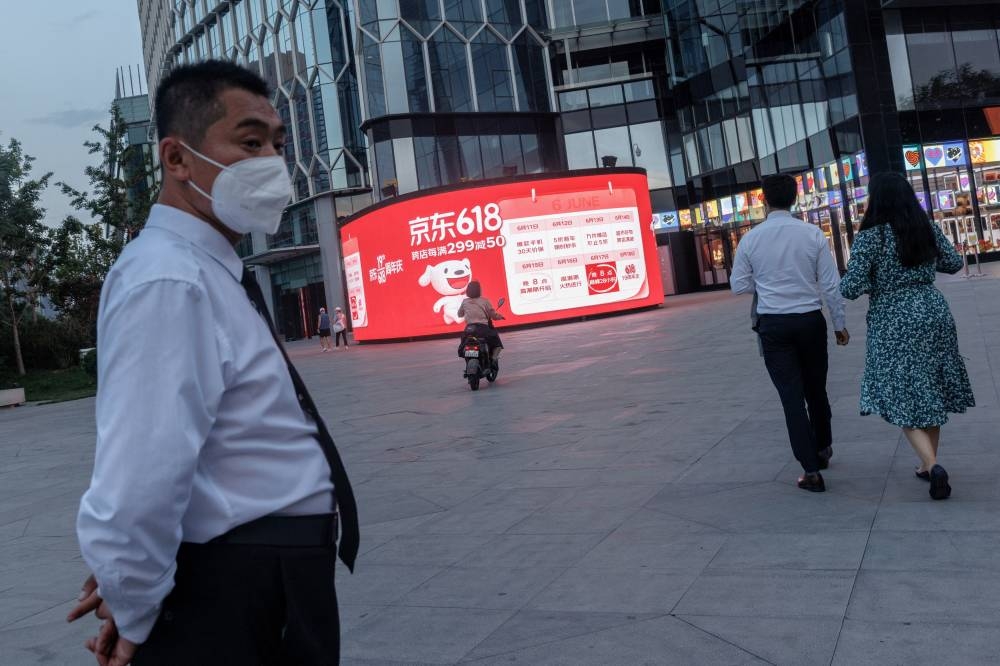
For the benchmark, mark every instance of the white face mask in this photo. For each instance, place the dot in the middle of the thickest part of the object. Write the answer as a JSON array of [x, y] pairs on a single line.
[[249, 195]]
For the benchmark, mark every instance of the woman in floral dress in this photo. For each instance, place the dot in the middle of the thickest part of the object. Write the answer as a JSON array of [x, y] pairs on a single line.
[[914, 375]]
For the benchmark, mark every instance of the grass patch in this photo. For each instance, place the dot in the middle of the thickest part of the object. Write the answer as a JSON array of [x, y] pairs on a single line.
[[53, 385]]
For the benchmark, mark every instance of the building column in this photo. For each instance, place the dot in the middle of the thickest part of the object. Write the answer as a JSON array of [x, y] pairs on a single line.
[[329, 251], [877, 110]]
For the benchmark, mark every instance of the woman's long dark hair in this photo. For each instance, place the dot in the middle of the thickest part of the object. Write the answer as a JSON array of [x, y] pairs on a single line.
[[891, 201]]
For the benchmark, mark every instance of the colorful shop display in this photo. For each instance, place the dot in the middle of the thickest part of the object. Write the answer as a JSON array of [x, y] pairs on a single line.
[[953, 180], [829, 196]]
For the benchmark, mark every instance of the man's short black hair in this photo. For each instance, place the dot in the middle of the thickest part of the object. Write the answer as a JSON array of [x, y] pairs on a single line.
[[780, 191], [187, 99]]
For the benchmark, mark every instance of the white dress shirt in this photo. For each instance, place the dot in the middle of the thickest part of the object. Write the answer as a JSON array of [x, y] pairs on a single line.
[[787, 262], [198, 425]]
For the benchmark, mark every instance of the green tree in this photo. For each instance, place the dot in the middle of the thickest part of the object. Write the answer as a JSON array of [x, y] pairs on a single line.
[[80, 256], [23, 239], [121, 191]]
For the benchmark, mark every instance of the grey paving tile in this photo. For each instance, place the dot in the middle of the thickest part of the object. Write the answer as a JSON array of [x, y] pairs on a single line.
[[630, 496], [663, 640], [532, 550], [926, 596], [436, 549], [617, 591], [875, 643], [670, 552], [766, 593], [926, 515], [777, 507], [729, 470], [430, 635], [791, 551], [476, 521], [781, 641], [931, 551], [594, 520], [481, 587], [353, 614], [531, 628], [380, 584]]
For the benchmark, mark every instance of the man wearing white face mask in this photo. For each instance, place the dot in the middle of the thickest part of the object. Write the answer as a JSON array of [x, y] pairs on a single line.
[[212, 516]]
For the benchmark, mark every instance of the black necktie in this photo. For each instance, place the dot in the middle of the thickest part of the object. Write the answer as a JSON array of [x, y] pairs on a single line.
[[348, 509]]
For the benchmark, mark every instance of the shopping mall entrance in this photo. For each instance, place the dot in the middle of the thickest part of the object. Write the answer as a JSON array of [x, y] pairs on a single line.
[[298, 310]]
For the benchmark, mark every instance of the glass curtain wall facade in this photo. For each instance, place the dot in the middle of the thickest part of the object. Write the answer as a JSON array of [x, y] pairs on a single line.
[[305, 50], [454, 90], [608, 59], [762, 87], [946, 80]]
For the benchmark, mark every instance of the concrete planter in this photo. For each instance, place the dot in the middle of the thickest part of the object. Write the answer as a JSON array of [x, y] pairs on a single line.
[[10, 397]]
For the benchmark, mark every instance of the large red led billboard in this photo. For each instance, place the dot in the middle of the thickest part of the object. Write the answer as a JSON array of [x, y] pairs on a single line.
[[554, 247]]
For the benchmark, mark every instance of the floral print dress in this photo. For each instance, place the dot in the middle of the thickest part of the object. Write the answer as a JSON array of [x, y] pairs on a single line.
[[914, 375]]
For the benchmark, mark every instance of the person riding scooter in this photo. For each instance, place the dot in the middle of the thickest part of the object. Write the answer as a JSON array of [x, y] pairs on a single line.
[[479, 315]]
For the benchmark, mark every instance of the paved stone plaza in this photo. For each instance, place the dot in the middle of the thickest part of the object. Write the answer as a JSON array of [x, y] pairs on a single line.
[[624, 495]]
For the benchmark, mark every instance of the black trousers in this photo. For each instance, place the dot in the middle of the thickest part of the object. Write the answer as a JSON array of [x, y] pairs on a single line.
[[341, 334], [248, 605], [795, 353], [482, 331]]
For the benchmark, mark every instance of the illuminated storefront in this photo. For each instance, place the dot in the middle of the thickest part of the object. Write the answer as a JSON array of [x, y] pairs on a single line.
[[958, 184], [556, 247]]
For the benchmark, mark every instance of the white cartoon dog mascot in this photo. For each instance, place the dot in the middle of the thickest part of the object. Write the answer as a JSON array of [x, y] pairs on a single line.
[[450, 279]]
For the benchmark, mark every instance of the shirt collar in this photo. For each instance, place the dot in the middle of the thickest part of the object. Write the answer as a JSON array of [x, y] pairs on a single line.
[[781, 214], [197, 232]]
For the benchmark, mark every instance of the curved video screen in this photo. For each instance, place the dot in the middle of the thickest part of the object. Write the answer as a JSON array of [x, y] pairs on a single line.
[[553, 247]]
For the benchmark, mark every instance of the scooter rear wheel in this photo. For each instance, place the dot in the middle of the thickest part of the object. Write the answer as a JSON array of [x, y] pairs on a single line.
[[474, 383]]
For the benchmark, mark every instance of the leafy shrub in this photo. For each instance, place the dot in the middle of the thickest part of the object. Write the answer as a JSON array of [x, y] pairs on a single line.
[[89, 363], [46, 344]]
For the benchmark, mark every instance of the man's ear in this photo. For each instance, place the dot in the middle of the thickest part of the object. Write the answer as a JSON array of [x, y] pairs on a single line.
[[175, 159]]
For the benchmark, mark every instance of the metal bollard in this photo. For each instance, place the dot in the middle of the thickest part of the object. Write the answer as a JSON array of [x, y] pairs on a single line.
[[965, 257], [979, 264]]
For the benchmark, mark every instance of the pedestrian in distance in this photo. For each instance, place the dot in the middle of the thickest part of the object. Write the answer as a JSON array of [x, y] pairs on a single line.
[[914, 374], [340, 326], [211, 520], [787, 264], [323, 325]]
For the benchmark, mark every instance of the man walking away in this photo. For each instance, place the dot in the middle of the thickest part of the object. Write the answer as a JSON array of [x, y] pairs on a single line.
[[323, 325], [211, 520], [787, 264]]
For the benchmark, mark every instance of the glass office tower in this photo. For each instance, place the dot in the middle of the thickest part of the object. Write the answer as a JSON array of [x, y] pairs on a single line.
[[305, 51]]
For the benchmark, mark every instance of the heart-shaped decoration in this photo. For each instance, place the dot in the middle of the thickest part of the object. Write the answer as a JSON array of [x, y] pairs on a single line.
[[912, 157], [933, 155], [954, 154]]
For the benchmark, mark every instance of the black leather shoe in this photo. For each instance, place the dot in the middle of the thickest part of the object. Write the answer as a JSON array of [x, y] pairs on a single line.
[[812, 482], [939, 483], [924, 476]]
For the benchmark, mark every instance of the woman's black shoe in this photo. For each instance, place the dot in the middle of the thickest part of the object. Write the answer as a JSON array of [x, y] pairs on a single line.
[[939, 483], [925, 475], [812, 482]]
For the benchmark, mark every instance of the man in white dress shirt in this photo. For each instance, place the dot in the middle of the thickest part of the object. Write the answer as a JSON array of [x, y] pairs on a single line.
[[787, 263], [211, 520]]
